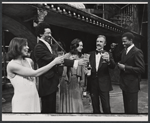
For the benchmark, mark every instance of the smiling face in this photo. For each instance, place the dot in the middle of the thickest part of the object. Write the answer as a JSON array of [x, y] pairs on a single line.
[[24, 50], [80, 47], [126, 42], [100, 43], [47, 35]]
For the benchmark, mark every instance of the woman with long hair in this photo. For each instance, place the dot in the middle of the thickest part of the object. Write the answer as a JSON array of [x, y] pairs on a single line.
[[22, 76], [71, 82]]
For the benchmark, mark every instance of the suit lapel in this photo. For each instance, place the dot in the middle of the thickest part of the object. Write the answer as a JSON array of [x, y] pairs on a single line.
[[100, 62], [46, 45], [125, 56], [40, 42], [93, 61]]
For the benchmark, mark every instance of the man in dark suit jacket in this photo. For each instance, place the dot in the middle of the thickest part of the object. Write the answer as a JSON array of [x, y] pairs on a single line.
[[99, 83], [48, 82], [131, 66]]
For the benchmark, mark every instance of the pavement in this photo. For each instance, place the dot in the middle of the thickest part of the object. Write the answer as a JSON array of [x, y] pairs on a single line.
[[116, 100]]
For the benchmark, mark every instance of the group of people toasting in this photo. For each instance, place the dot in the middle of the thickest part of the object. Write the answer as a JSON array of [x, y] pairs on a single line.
[[68, 73]]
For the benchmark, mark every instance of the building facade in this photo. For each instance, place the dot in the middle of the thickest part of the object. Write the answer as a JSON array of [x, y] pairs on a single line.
[[69, 21]]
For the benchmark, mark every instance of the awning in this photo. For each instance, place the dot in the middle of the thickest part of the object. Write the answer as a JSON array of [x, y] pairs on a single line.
[[72, 17], [15, 16]]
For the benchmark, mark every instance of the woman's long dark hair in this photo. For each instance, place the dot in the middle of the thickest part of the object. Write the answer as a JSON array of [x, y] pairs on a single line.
[[73, 47], [15, 47]]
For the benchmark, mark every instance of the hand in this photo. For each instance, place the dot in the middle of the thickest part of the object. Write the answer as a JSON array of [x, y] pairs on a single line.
[[86, 71], [106, 56], [86, 56], [81, 82], [82, 62], [59, 60], [66, 55], [121, 66]]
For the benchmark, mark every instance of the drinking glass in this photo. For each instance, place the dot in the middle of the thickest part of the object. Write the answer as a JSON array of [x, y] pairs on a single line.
[[60, 53], [103, 54], [87, 56]]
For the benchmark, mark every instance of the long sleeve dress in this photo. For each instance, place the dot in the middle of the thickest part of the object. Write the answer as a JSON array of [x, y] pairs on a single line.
[[70, 90]]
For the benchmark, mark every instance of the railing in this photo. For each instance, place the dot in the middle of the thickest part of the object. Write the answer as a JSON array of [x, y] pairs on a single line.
[[129, 17], [80, 15], [89, 18]]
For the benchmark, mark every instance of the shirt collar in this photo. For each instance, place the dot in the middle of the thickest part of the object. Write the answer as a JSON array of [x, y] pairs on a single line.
[[130, 47], [47, 44], [43, 40], [98, 52]]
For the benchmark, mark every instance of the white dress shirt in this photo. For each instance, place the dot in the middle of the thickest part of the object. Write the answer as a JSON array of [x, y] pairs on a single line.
[[47, 44], [98, 57], [129, 48]]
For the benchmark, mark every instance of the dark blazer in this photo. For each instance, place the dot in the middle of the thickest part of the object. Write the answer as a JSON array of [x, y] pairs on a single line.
[[49, 81], [134, 66], [104, 81]]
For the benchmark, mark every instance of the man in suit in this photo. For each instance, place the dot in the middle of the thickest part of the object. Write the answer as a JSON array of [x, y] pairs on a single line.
[[48, 82], [131, 67], [99, 83]]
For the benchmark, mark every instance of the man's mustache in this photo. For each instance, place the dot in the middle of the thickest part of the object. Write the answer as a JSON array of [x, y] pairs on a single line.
[[98, 45]]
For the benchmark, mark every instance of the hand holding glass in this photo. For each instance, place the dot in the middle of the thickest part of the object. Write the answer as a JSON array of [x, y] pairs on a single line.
[[59, 60], [105, 57], [60, 53], [86, 57]]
